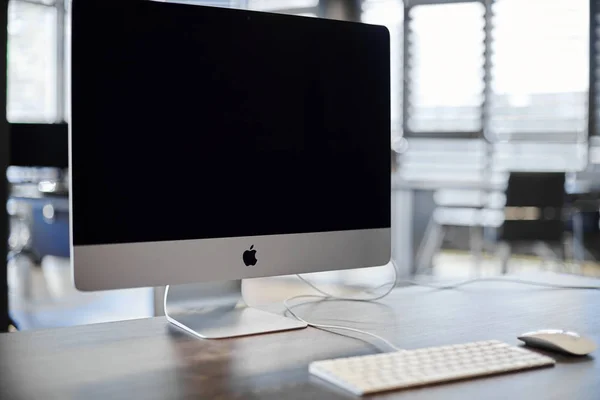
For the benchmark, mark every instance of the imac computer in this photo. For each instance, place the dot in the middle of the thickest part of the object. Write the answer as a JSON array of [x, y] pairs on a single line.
[[208, 145]]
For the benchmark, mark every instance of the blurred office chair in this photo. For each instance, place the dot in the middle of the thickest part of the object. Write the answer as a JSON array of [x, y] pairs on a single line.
[[476, 209], [533, 216]]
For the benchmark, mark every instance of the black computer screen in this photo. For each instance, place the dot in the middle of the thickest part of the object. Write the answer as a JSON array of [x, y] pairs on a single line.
[[193, 122]]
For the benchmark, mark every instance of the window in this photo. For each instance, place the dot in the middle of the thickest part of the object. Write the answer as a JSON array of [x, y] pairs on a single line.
[[445, 72], [539, 85], [67, 64], [39, 53], [538, 77], [212, 3], [306, 7], [530, 75], [540, 70], [294, 6], [32, 62]]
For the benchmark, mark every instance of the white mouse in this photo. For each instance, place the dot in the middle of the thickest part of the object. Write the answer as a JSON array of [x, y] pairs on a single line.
[[559, 340]]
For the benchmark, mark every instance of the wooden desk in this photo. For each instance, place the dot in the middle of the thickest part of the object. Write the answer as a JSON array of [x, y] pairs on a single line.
[[148, 359]]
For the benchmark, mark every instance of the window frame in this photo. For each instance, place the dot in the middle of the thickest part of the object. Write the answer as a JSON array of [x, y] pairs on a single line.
[[406, 92]]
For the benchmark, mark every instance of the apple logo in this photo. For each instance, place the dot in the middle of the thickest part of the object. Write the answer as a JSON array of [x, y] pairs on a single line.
[[250, 257]]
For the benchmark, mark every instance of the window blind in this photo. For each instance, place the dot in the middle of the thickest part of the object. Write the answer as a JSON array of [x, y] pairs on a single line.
[[445, 83], [540, 70], [274, 5], [212, 3], [301, 7]]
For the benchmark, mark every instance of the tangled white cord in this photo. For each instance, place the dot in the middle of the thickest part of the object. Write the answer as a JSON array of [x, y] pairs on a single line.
[[327, 296], [324, 296]]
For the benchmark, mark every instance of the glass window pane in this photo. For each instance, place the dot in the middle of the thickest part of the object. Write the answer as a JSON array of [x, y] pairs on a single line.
[[271, 5], [67, 72], [446, 70], [43, 2], [540, 66], [257, 5], [31, 75], [212, 3]]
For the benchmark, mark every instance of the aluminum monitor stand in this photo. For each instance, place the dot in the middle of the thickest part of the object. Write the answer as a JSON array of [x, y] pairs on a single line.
[[216, 310]]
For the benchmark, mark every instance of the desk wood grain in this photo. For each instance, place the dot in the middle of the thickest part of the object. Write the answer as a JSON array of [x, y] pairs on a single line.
[[149, 359]]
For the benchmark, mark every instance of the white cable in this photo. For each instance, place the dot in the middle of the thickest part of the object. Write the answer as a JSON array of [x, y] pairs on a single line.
[[506, 280], [375, 298], [337, 327], [328, 296]]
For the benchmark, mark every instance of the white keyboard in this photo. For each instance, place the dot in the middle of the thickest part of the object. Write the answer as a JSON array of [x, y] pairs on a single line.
[[404, 369]]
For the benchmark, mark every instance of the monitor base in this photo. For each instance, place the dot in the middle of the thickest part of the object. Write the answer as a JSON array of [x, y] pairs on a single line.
[[217, 310]]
